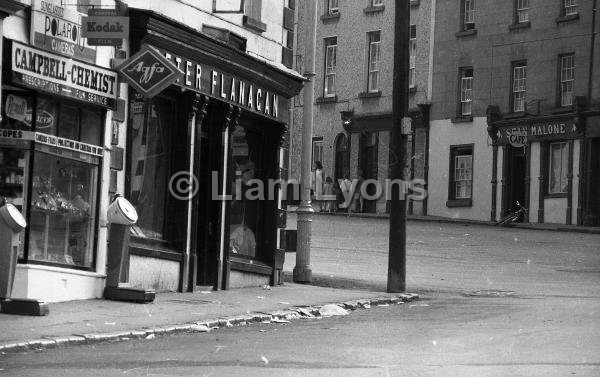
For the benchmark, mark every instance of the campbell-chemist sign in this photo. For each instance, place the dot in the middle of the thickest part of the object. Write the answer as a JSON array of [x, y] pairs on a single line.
[[524, 132], [62, 76]]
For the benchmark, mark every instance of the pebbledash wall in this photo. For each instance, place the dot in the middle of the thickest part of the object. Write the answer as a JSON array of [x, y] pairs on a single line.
[[510, 146], [367, 112]]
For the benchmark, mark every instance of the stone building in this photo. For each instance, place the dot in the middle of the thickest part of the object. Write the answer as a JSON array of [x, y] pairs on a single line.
[[353, 90], [515, 111]]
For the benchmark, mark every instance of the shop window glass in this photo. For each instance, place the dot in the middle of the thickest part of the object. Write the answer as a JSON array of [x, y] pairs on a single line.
[[62, 218], [150, 163], [559, 168], [69, 122], [91, 127], [246, 198], [46, 116], [16, 111]]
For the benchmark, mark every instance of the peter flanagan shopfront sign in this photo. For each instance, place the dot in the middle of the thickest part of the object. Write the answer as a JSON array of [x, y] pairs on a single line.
[[227, 87], [62, 76]]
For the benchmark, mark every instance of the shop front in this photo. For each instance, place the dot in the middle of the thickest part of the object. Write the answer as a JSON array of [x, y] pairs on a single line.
[[536, 163], [51, 158], [200, 158]]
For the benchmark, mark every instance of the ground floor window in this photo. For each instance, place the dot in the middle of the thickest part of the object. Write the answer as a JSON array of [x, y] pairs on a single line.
[[461, 172], [558, 168]]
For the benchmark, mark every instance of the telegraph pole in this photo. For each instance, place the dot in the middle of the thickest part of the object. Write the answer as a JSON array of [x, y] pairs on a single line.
[[398, 145], [302, 270]]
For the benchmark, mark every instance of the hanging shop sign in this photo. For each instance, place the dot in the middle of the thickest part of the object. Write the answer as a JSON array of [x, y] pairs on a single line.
[[148, 72], [216, 83], [105, 27], [519, 135], [65, 77], [57, 28]]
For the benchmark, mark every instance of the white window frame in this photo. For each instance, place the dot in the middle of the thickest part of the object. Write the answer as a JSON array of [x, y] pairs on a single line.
[[558, 175], [330, 66], [466, 92], [333, 7], [317, 150], [522, 10], [373, 61], [468, 14], [567, 79], [519, 87], [412, 45], [570, 7]]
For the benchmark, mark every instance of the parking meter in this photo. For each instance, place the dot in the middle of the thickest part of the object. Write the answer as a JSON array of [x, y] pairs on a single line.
[[122, 216], [12, 223]]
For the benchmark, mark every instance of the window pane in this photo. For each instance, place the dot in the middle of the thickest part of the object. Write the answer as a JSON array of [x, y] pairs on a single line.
[[69, 122], [62, 220], [91, 127], [558, 169], [46, 116]]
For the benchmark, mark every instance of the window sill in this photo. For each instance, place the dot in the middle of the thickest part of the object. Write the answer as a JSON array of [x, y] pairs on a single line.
[[250, 265], [330, 17], [466, 33], [520, 25], [326, 99], [571, 17], [556, 196], [462, 119], [374, 9], [452, 203], [370, 94], [254, 24], [415, 3]]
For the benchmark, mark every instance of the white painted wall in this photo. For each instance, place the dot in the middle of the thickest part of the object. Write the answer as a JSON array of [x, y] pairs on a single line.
[[54, 284], [443, 134], [555, 210]]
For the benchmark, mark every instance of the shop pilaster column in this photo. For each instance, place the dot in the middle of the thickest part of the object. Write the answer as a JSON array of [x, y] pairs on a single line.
[[302, 270]]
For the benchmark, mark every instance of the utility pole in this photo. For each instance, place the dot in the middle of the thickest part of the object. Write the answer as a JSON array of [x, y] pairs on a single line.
[[398, 144], [302, 270]]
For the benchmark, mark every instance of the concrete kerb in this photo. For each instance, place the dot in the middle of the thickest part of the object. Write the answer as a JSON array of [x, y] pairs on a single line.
[[279, 316]]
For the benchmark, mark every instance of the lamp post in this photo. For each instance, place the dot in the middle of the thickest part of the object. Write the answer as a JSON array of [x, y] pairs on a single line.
[[398, 145], [302, 270]]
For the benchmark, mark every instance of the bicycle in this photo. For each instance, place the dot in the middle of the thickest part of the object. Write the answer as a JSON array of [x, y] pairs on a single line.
[[513, 216]]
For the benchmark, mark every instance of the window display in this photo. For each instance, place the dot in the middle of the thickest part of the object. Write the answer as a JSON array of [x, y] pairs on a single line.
[[62, 219]]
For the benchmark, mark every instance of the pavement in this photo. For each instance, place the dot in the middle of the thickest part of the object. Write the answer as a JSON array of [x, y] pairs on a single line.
[[92, 321]]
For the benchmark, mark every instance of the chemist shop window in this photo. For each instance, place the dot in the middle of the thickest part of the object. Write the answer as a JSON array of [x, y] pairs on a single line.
[[247, 197]]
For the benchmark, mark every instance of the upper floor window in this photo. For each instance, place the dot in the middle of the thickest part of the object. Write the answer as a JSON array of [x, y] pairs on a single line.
[[332, 7], [466, 91], [567, 79], [330, 64], [569, 7], [373, 63], [522, 10], [468, 14], [376, 3], [412, 45], [253, 14], [519, 86]]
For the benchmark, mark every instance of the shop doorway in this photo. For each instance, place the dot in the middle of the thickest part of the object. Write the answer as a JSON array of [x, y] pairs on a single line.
[[368, 166], [593, 194], [515, 171]]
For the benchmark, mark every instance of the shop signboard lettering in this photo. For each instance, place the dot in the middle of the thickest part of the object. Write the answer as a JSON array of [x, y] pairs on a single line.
[[227, 87], [105, 27], [523, 133], [149, 72], [58, 29], [73, 145], [63, 77]]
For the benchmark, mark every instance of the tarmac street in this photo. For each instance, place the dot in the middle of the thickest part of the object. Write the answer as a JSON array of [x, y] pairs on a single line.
[[493, 302]]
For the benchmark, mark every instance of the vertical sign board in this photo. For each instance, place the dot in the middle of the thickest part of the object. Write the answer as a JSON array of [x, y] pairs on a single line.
[[57, 29]]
